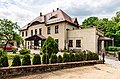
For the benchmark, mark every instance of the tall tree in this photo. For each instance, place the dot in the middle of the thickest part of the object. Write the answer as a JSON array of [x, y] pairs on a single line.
[[8, 29], [89, 22]]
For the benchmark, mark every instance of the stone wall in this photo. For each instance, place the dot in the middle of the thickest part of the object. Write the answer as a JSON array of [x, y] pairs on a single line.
[[7, 72]]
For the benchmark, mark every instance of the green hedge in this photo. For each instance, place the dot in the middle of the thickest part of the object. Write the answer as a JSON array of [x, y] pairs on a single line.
[[66, 57], [4, 61], [45, 58], [72, 57], [53, 58], [26, 60], [59, 59], [24, 51], [16, 61], [113, 48], [36, 59]]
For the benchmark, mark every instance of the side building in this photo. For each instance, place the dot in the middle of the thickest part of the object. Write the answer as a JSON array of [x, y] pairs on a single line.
[[65, 30]]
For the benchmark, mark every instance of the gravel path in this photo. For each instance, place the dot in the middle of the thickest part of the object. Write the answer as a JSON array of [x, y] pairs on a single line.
[[99, 71]]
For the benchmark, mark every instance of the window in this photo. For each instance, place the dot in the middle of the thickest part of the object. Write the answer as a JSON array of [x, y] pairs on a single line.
[[78, 43], [40, 31], [70, 43], [31, 32], [26, 33], [22, 34], [35, 31], [48, 30], [56, 29], [57, 40]]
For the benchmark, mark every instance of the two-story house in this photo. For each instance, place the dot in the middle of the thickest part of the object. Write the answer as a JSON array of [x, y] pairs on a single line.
[[64, 29]]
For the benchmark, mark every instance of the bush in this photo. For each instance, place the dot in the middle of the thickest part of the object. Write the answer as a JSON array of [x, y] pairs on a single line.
[[50, 46], [82, 56], [26, 60], [1, 52], [14, 50], [16, 61], [66, 57], [89, 56], [36, 59], [59, 59], [4, 61], [24, 51], [77, 57], [45, 59], [113, 48], [53, 58], [72, 57], [95, 56]]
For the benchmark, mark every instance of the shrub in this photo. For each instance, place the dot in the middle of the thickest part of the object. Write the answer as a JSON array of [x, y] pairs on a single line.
[[45, 59], [24, 51], [77, 57], [82, 56], [1, 52], [59, 59], [50, 46], [36, 59], [16, 61], [53, 58], [4, 61], [89, 56], [14, 50], [26, 60], [66, 57], [95, 56], [113, 48], [72, 57]]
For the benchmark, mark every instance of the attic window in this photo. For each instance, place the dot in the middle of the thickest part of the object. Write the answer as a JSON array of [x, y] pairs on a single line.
[[35, 23], [52, 17]]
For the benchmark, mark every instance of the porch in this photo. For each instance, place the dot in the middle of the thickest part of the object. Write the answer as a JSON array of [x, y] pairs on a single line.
[[34, 42]]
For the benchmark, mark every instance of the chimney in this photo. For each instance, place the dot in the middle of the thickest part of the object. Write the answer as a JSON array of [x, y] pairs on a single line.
[[57, 8], [53, 10], [40, 13]]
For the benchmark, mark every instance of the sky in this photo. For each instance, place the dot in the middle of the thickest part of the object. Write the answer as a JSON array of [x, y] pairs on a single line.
[[23, 11]]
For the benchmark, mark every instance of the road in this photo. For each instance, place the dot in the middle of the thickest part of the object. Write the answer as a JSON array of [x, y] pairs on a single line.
[[110, 70]]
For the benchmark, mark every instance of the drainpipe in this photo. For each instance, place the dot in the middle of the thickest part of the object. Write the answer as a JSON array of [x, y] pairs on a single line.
[[67, 39]]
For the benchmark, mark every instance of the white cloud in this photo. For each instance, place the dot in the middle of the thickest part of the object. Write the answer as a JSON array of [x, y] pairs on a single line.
[[23, 11]]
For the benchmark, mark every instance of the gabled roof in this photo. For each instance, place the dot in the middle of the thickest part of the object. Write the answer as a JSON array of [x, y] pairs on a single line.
[[53, 17]]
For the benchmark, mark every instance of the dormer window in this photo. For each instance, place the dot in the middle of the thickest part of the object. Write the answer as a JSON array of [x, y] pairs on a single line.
[[52, 17]]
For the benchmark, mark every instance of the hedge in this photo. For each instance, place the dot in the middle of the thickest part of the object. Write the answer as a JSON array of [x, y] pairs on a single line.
[[16, 61], [59, 59], [36, 59], [53, 58], [4, 61], [45, 58], [26, 60], [24, 51]]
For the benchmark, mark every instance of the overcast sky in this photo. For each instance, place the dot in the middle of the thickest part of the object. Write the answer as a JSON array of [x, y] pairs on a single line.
[[23, 11]]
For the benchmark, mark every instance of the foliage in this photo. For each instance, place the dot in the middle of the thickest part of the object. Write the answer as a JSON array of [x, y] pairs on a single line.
[[4, 61], [8, 30], [59, 59], [45, 58], [82, 56], [77, 57], [113, 48], [50, 46], [66, 57], [92, 56], [53, 58], [36, 59], [14, 50], [24, 51], [111, 28], [72, 57], [16, 61], [26, 60], [3, 53]]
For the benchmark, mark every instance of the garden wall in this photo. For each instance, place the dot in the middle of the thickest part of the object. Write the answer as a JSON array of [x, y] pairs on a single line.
[[7, 72]]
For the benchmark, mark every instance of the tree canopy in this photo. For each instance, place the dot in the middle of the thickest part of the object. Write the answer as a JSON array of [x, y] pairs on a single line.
[[8, 31], [111, 28]]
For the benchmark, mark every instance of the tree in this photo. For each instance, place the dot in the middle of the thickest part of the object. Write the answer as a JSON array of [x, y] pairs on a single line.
[[8, 30], [50, 46], [89, 22]]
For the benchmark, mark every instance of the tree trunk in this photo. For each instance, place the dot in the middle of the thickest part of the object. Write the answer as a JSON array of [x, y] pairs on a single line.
[[5, 45]]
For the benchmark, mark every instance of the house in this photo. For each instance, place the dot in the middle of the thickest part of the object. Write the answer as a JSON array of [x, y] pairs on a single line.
[[65, 30]]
